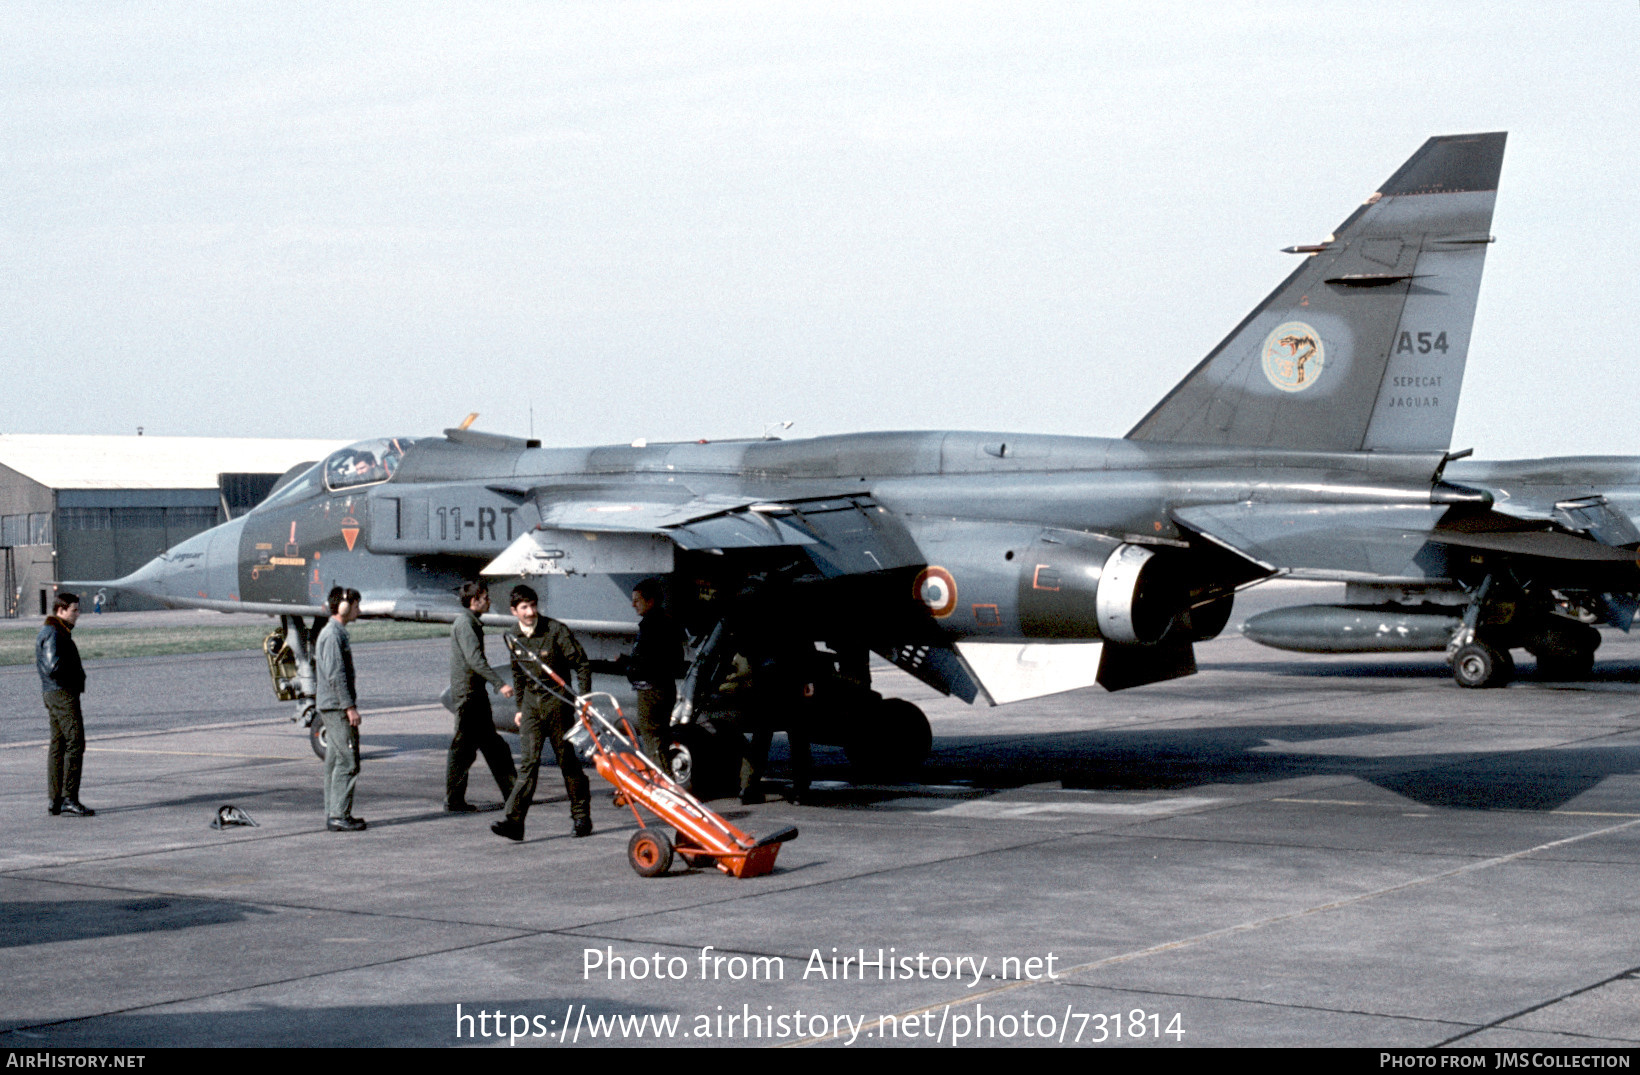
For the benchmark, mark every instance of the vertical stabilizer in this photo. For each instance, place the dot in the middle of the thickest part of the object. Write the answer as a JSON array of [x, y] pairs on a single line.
[[1363, 346]]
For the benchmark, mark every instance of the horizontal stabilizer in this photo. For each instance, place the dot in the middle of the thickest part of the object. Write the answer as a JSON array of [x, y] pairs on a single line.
[[1333, 541]]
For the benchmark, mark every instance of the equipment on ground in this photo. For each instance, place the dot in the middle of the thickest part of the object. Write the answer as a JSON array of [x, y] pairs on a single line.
[[701, 837]]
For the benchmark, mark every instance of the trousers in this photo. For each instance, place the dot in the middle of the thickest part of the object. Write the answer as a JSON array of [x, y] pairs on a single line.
[[67, 751], [475, 734], [341, 763], [547, 722], [655, 722]]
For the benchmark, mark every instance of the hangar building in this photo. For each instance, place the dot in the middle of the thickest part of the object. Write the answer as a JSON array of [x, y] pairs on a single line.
[[99, 507]]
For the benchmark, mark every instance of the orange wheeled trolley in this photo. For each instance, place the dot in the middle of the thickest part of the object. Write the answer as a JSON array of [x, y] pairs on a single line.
[[701, 835]]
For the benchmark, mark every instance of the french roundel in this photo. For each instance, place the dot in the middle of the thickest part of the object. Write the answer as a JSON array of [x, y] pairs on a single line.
[[937, 589]]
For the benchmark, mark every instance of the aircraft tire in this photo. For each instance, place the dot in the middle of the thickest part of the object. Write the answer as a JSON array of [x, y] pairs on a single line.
[[316, 738], [700, 763], [1478, 666], [893, 744], [1563, 668], [650, 852], [1564, 650]]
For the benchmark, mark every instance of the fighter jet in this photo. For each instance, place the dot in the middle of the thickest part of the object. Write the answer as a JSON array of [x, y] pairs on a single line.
[[992, 566]]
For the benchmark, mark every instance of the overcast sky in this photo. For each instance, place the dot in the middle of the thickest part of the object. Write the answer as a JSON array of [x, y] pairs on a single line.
[[681, 220]]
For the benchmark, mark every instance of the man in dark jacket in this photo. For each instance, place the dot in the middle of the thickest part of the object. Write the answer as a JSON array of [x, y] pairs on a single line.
[[62, 681], [544, 718], [475, 723], [653, 667]]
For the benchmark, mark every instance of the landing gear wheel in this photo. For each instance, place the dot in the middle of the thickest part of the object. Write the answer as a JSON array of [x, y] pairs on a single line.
[[699, 762], [1562, 668], [317, 739], [1564, 649], [650, 852], [892, 743], [1479, 665]]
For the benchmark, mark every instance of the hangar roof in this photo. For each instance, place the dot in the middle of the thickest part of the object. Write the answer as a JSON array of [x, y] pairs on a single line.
[[73, 461]]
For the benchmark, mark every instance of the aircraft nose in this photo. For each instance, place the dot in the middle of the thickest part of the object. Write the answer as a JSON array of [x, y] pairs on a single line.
[[205, 567]]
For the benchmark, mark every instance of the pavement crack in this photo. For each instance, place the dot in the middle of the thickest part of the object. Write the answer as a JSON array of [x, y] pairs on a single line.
[[1264, 1003], [1619, 976]]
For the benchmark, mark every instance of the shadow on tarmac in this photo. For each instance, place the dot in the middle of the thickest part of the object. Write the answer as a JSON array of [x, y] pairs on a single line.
[[1416, 667], [33, 922], [1151, 760]]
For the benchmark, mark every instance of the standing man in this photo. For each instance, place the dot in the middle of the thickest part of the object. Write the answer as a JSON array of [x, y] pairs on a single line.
[[339, 709], [543, 718], [653, 668], [475, 723], [785, 674], [62, 681]]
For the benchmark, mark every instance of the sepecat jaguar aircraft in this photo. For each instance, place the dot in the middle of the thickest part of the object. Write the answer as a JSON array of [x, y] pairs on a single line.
[[991, 566]]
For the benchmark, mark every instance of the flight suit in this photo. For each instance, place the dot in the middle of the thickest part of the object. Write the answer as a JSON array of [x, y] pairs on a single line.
[[337, 692], [475, 722], [547, 719], [784, 675]]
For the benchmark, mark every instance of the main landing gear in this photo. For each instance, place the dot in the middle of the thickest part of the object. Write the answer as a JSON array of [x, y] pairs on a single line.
[[1500, 619]]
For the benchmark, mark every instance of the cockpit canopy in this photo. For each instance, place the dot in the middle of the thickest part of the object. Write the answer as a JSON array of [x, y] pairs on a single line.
[[369, 462]]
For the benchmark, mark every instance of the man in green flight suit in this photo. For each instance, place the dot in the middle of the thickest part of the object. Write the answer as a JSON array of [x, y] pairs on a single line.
[[475, 724], [338, 702], [543, 718]]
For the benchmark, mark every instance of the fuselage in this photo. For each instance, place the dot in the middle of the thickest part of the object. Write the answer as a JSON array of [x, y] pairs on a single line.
[[987, 509]]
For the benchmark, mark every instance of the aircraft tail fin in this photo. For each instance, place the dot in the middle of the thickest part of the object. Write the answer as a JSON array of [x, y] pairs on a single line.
[[1363, 346]]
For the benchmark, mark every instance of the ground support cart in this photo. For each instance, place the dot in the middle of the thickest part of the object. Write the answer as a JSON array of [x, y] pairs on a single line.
[[701, 835]]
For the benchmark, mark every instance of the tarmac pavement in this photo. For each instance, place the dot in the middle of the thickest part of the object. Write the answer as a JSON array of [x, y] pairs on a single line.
[[1283, 850]]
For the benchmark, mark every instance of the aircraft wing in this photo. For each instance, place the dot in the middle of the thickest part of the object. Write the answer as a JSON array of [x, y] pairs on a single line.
[[1411, 542], [843, 535], [1574, 506]]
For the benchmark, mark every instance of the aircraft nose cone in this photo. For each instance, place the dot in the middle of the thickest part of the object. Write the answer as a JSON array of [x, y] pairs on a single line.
[[204, 567]]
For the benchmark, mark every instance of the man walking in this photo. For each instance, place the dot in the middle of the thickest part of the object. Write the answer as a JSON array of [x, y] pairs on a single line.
[[475, 723], [544, 718], [62, 681], [339, 709]]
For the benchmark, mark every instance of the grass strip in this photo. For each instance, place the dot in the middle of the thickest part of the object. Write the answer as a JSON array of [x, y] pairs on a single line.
[[17, 647]]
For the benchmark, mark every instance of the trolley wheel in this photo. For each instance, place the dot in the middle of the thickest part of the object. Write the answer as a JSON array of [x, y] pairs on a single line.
[[317, 738], [1479, 665], [650, 852]]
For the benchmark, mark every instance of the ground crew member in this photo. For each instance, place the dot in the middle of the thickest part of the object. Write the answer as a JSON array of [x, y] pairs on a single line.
[[653, 668], [543, 718], [339, 709], [62, 681], [475, 724], [785, 673]]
